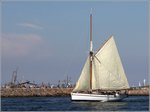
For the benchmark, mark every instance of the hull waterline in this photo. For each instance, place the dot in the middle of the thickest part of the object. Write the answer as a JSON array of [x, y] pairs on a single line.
[[96, 97]]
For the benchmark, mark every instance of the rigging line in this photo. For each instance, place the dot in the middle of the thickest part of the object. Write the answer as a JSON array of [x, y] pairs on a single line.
[[103, 44], [97, 59]]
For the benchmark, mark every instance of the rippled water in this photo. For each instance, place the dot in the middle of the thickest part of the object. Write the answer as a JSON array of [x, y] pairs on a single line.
[[132, 103]]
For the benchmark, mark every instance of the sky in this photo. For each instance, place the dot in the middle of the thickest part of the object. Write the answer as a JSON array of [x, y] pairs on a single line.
[[48, 41]]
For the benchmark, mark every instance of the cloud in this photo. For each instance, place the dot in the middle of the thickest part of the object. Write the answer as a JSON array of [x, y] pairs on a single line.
[[31, 25], [17, 45]]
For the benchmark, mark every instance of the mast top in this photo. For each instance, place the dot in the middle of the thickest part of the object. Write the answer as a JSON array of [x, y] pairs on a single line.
[[91, 43]]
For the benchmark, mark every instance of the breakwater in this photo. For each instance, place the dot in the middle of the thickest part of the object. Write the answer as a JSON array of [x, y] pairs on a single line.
[[138, 92], [25, 92]]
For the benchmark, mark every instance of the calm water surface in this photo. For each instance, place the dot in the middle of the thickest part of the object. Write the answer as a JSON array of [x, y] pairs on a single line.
[[132, 103]]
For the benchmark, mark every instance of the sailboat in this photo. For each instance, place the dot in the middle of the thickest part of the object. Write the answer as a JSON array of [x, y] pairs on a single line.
[[102, 77]]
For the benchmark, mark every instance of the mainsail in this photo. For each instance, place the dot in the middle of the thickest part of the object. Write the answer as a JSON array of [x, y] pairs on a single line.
[[107, 70]]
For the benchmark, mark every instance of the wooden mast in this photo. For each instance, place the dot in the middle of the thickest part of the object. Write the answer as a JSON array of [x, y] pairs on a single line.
[[91, 50]]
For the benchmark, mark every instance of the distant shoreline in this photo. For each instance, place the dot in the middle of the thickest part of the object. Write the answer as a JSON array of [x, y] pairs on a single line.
[[47, 92]]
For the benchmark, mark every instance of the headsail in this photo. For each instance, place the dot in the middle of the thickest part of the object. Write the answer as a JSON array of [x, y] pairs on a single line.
[[84, 79], [107, 70]]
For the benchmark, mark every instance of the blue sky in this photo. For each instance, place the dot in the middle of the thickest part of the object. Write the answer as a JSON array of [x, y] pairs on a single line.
[[50, 40]]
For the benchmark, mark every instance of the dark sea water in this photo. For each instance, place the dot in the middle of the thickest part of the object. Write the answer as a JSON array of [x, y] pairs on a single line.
[[132, 103]]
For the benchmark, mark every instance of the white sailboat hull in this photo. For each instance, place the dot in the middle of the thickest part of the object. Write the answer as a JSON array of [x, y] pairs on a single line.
[[96, 97]]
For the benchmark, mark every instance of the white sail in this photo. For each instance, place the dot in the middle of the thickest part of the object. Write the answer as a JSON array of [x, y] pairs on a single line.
[[84, 79], [107, 70]]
